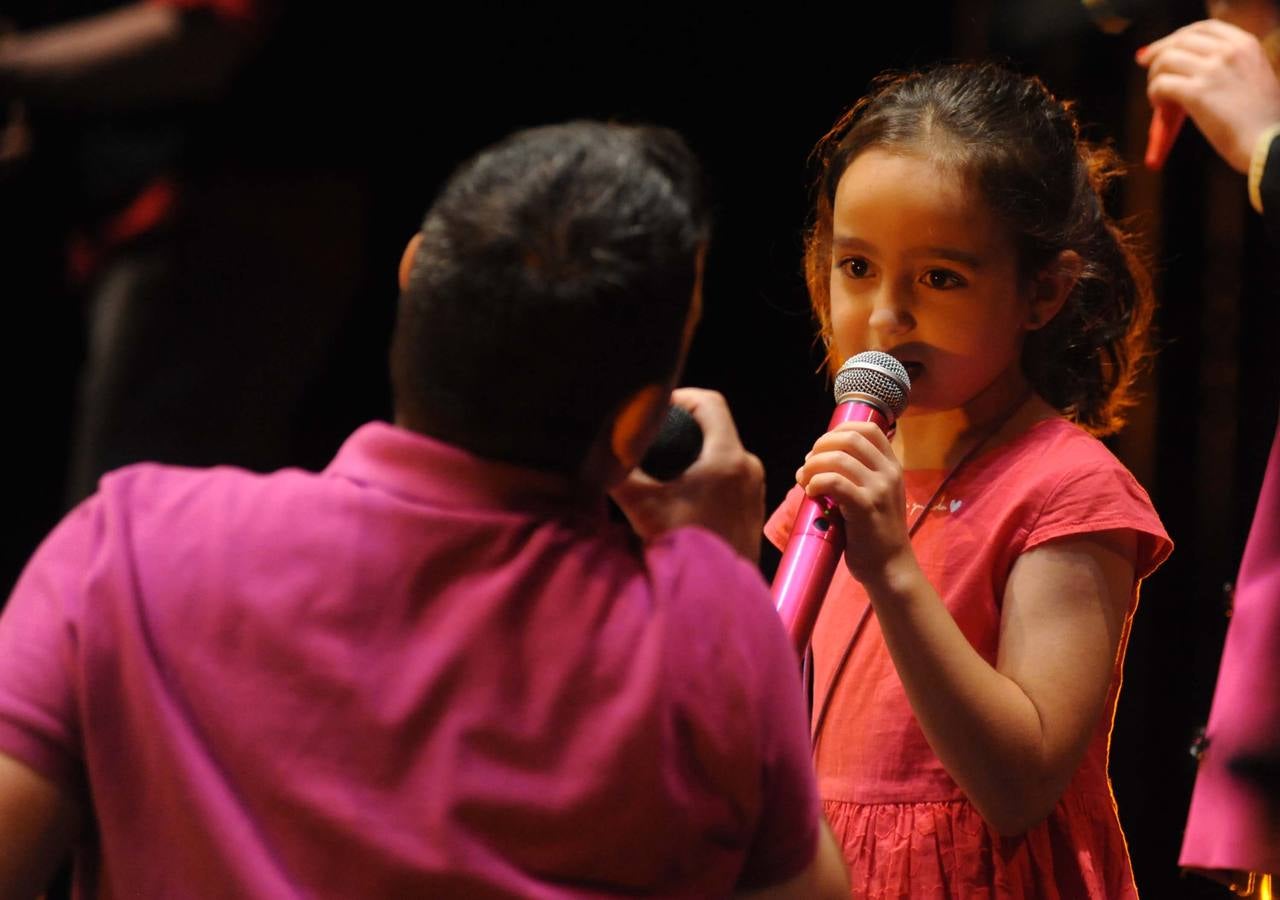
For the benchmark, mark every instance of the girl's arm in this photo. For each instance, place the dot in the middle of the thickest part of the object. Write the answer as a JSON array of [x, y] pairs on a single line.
[[1011, 735]]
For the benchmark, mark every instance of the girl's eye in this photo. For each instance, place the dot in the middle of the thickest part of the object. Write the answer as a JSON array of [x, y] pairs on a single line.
[[857, 267], [942, 279]]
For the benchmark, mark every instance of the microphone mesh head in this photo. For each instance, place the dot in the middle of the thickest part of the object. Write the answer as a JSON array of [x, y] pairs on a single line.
[[877, 375]]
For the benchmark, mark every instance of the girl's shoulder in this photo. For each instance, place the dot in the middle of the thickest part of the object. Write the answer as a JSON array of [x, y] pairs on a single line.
[[1039, 443], [1070, 482], [1054, 442], [1055, 457]]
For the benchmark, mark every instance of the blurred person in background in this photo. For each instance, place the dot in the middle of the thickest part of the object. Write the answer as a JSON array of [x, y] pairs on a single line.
[[172, 174], [1221, 74]]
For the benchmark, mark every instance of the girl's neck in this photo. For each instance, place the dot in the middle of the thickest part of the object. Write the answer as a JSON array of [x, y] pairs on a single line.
[[938, 439]]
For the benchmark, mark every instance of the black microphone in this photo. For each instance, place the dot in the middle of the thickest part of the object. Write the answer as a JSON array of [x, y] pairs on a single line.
[[677, 445], [870, 387]]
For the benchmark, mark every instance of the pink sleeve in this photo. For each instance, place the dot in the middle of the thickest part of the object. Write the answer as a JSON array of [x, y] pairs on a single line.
[[39, 634], [778, 528], [738, 686], [1102, 498], [787, 839]]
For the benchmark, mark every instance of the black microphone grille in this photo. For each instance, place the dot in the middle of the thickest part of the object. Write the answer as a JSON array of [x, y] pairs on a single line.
[[677, 445], [877, 375]]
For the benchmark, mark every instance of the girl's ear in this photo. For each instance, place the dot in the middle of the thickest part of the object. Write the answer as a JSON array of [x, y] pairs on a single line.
[[1051, 288]]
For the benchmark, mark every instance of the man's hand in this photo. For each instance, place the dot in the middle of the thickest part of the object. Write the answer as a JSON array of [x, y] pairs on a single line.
[[723, 491], [1220, 76]]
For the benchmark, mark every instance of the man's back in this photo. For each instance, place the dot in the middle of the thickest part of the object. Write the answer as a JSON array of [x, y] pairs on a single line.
[[417, 673]]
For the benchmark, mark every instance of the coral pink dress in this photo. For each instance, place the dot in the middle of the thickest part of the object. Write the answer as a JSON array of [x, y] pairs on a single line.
[[906, 828]]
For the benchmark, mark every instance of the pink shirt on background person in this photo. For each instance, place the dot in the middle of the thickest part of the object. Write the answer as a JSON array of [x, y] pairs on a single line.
[[1233, 823], [417, 673]]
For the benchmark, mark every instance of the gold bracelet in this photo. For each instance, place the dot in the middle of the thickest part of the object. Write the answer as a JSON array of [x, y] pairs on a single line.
[[1258, 163]]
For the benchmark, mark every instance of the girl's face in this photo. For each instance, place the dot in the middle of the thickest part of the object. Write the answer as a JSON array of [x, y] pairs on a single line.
[[921, 269]]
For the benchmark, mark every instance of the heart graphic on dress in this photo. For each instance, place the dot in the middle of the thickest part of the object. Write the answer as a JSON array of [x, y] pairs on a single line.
[[955, 504]]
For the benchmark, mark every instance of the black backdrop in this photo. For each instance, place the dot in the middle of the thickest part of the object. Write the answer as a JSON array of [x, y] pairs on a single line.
[[397, 100]]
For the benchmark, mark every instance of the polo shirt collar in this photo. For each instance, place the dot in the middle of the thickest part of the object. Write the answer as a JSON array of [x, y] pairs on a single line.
[[422, 468]]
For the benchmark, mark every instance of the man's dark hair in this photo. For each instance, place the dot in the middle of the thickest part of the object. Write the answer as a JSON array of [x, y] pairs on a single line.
[[553, 280]]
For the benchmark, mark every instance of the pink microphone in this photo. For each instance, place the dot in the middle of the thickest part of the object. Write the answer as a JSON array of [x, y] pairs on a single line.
[[870, 387]]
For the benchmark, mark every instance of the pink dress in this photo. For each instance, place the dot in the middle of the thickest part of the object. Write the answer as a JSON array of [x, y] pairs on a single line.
[[906, 828]]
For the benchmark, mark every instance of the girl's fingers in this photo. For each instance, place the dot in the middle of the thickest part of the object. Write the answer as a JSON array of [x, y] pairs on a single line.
[[834, 462], [848, 495], [846, 480], [859, 438]]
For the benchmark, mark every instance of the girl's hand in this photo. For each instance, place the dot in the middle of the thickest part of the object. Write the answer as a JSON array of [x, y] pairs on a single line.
[[855, 466]]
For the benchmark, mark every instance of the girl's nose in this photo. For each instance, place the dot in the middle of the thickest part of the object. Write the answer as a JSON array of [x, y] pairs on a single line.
[[891, 311]]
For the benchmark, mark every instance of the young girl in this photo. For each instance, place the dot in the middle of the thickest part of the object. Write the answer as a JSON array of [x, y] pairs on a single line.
[[967, 659]]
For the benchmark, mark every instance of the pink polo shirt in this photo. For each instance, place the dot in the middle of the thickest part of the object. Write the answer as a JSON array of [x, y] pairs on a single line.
[[416, 673]]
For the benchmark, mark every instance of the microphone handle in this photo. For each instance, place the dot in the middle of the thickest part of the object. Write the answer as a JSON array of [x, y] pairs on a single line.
[[816, 544]]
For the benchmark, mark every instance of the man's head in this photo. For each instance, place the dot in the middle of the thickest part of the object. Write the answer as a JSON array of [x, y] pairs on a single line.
[[552, 283]]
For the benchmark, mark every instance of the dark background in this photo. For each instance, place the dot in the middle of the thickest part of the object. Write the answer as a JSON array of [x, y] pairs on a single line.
[[393, 101]]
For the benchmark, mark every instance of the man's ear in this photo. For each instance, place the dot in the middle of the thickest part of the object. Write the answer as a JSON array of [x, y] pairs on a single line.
[[1051, 288], [637, 424], [406, 260]]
